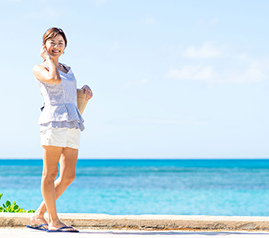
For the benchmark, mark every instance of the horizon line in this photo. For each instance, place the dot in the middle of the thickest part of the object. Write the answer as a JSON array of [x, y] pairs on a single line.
[[145, 158]]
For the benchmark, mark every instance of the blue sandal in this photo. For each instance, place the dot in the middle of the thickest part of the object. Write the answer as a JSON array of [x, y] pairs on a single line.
[[61, 229], [38, 227]]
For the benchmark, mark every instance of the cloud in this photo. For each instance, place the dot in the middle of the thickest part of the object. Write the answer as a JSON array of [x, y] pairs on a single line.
[[219, 68], [191, 72], [149, 20], [129, 84], [256, 71], [208, 50], [252, 71]]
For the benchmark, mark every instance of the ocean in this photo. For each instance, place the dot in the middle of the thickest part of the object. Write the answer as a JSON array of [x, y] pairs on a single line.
[[229, 187]]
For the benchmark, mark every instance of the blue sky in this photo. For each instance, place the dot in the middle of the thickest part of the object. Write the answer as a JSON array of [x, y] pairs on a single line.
[[171, 78]]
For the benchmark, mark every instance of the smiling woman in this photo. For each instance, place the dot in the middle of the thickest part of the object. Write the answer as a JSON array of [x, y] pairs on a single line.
[[55, 42], [60, 126]]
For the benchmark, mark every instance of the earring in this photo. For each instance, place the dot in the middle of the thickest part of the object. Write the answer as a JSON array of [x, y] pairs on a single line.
[[63, 52]]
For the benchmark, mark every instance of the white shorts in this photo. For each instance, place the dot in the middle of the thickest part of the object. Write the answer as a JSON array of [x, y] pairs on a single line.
[[61, 137]]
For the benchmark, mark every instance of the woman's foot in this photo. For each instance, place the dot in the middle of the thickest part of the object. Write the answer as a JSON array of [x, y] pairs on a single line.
[[58, 225], [38, 220]]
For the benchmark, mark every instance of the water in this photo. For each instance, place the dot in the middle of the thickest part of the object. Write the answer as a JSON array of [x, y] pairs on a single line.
[[180, 187]]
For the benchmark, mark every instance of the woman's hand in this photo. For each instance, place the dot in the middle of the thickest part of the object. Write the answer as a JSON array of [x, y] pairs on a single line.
[[86, 89], [44, 53]]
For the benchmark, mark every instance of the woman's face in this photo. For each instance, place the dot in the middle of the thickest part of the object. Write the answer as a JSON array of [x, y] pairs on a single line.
[[55, 47]]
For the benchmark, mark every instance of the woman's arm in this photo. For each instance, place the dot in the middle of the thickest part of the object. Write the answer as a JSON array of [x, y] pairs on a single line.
[[52, 75]]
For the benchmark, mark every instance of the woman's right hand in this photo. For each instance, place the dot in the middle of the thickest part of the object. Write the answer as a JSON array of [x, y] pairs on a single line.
[[44, 53]]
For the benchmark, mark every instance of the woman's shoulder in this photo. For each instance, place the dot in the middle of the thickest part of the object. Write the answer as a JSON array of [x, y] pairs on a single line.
[[39, 68]]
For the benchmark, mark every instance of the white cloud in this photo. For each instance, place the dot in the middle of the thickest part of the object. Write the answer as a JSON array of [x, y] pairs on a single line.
[[149, 20], [129, 84], [208, 50], [230, 68], [191, 72], [256, 71], [253, 71]]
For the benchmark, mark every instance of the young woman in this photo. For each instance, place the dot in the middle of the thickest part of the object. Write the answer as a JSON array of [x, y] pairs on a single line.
[[60, 126]]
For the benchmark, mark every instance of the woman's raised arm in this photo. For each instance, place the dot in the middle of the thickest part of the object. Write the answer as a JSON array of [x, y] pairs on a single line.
[[45, 75]]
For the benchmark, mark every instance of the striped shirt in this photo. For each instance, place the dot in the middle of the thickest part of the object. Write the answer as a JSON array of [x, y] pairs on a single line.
[[60, 103]]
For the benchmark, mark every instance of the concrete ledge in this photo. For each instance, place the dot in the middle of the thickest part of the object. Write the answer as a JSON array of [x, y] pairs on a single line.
[[160, 222]]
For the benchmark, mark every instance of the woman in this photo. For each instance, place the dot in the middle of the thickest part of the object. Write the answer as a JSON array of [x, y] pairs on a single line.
[[60, 126]]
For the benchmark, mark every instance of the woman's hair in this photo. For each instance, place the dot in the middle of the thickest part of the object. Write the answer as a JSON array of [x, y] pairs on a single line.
[[52, 33]]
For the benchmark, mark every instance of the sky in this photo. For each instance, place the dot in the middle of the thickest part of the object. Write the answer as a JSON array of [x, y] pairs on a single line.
[[171, 78]]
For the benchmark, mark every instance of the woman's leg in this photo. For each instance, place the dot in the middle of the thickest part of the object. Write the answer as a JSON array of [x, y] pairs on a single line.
[[68, 163], [67, 175], [51, 157]]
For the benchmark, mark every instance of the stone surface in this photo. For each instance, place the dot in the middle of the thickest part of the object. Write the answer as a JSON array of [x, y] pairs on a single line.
[[145, 222], [29, 233]]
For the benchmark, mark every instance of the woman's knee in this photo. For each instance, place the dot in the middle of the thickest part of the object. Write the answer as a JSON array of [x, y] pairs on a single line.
[[68, 179], [50, 175]]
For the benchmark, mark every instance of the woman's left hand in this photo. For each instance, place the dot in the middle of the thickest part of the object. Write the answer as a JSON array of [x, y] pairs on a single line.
[[86, 89]]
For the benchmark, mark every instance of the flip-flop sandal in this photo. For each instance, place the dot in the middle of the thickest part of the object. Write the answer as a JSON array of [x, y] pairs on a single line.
[[38, 227], [64, 227]]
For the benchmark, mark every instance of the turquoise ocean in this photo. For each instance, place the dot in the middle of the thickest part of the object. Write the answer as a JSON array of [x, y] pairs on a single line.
[[230, 187]]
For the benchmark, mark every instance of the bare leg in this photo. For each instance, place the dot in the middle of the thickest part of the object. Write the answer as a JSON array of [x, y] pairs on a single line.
[[67, 175], [51, 159]]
